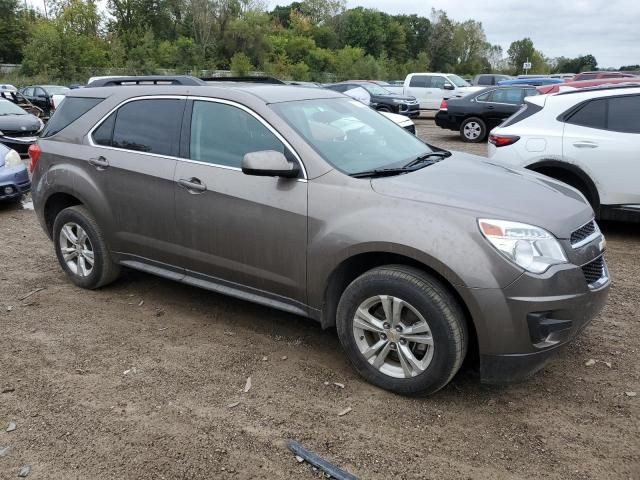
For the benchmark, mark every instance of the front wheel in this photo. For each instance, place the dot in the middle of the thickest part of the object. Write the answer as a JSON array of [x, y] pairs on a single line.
[[473, 130], [402, 330]]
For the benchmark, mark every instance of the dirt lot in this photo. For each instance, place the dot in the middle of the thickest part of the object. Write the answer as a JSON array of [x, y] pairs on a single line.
[[135, 381]]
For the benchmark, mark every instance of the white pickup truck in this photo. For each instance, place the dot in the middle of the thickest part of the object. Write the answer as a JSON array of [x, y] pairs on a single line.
[[431, 88]]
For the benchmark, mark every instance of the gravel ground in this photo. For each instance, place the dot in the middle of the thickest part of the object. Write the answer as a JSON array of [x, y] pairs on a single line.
[[139, 381]]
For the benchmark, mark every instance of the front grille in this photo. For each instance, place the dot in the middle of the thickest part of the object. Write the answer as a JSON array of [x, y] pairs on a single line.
[[583, 232], [594, 271], [411, 129]]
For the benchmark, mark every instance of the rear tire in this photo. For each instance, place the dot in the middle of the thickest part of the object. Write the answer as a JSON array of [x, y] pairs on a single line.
[[81, 249], [415, 351], [473, 130]]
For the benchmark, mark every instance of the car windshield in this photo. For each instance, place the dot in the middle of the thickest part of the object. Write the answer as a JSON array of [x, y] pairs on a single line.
[[55, 90], [457, 81], [351, 136], [374, 89], [9, 108]]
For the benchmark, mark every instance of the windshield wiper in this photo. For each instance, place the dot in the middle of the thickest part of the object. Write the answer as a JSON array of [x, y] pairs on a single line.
[[426, 156], [382, 172]]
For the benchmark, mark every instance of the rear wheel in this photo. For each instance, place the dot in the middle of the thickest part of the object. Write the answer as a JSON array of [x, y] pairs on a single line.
[[473, 130], [81, 249], [402, 330]]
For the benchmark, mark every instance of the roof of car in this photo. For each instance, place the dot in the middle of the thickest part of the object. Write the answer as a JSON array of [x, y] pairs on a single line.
[[266, 92]]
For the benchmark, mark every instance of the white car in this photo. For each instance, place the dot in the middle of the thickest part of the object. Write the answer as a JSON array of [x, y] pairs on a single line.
[[431, 88], [587, 138]]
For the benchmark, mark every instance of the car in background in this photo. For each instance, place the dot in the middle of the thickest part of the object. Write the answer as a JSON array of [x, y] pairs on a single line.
[[401, 121], [7, 87], [587, 138], [16, 97], [46, 97], [533, 81], [546, 89], [18, 128], [563, 76], [381, 99], [14, 178], [601, 74], [486, 79], [476, 114], [431, 88]]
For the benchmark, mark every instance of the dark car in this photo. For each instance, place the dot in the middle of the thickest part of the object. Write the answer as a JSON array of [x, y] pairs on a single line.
[[18, 129], [42, 96], [20, 100], [476, 114], [486, 79], [382, 99]]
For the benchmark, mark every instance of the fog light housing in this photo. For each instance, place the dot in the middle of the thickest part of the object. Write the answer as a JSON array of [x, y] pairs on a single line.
[[8, 190]]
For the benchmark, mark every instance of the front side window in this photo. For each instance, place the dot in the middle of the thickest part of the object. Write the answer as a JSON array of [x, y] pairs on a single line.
[[458, 81], [592, 114], [150, 126], [350, 136], [222, 134], [624, 114], [438, 82]]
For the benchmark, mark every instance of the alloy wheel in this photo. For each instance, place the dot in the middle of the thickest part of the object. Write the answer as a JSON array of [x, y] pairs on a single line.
[[472, 130], [76, 249]]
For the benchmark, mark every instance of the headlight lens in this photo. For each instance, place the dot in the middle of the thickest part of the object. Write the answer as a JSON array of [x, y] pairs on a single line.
[[12, 159], [529, 247], [397, 100]]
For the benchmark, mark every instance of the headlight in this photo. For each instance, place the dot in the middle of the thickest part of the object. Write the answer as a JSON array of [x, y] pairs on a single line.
[[12, 159], [41, 125], [397, 100], [529, 247]]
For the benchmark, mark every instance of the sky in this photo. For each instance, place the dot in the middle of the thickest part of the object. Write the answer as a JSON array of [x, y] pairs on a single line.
[[607, 29]]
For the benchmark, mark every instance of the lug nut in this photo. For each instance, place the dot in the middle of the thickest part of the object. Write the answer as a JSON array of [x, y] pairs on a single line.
[[398, 328], [403, 341], [383, 336], [393, 345], [386, 326]]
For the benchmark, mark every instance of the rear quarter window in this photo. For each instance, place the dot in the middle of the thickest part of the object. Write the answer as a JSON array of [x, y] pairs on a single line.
[[71, 109], [592, 114]]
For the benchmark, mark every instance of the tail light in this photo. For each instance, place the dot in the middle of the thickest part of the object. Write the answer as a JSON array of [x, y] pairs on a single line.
[[443, 105], [503, 140], [34, 156]]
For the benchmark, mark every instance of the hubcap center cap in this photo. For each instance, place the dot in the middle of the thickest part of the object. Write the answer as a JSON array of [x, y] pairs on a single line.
[[393, 336]]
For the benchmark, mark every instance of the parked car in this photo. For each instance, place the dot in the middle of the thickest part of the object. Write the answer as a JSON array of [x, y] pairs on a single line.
[[46, 97], [563, 76], [381, 99], [477, 113], [535, 82], [18, 129], [14, 178], [485, 79], [431, 88], [545, 89], [402, 121], [588, 138], [601, 74], [6, 87], [307, 201], [16, 97]]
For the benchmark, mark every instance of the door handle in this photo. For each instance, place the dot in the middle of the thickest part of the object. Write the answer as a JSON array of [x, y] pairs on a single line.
[[100, 162], [193, 185], [585, 145], [490, 107]]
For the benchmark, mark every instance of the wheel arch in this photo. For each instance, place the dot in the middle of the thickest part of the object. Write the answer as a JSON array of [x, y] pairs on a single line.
[[54, 204]]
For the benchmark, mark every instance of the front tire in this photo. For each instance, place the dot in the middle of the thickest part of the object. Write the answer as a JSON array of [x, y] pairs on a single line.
[[402, 330], [473, 130], [81, 249]]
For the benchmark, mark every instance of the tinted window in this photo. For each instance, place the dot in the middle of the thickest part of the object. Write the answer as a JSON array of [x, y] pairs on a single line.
[[624, 114], [592, 114], [485, 80], [484, 97], [68, 112], [102, 135], [149, 126], [421, 81], [40, 92], [222, 134], [512, 96], [28, 92]]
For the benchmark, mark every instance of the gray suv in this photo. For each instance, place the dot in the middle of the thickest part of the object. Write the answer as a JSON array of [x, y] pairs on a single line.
[[305, 200]]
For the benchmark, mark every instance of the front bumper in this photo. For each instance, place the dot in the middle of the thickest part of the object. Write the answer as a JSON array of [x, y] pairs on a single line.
[[521, 327], [14, 182], [409, 110]]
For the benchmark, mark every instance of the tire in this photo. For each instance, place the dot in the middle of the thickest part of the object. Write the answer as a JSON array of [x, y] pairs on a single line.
[[103, 270], [473, 130], [422, 295], [384, 109]]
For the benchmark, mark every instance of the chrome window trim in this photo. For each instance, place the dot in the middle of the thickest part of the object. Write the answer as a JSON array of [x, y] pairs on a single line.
[[188, 160]]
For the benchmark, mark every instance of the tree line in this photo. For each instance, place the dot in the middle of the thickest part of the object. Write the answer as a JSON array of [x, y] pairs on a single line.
[[318, 40]]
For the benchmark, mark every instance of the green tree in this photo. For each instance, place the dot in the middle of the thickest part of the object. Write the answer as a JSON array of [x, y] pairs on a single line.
[[441, 46], [241, 65], [14, 31]]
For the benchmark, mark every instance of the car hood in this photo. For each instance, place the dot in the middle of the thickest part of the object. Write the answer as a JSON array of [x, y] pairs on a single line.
[[489, 190], [25, 123]]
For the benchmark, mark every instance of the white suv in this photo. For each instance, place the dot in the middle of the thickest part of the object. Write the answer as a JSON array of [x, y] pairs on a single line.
[[431, 88], [587, 138]]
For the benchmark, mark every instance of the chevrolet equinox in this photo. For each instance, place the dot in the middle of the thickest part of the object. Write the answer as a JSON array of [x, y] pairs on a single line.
[[307, 201]]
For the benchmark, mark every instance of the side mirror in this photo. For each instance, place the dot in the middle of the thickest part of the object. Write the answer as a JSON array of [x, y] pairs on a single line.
[[269, 163], [448, 86]]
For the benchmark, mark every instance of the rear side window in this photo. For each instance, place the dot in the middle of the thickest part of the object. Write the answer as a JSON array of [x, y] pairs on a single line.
[[150, 126], [592, 114], [222, 134], [624, 114], [104, 133], [68, 112], [420, 81], [512, 96]]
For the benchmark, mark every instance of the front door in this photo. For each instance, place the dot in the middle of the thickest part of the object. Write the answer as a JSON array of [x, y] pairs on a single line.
[[246, 232]]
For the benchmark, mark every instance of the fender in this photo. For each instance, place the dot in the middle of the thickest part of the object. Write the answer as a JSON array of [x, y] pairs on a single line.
[[592, 190]]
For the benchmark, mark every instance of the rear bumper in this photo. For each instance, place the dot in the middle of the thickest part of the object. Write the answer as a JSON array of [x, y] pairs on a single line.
[[446, 121]]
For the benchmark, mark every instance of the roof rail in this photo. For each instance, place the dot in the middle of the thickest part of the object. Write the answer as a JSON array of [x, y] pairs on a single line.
[[184, 80], [246, 79], [600, 88]]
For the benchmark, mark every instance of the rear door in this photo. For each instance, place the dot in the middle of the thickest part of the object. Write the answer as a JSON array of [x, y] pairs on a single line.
[[603, 138], [501, 104], [246, 232], [134, 156]]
